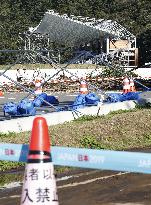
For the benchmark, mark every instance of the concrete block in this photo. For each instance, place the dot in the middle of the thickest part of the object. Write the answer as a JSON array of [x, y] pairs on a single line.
[[25, 123]]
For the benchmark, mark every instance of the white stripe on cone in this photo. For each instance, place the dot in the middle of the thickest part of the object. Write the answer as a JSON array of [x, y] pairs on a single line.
[[39, 185], [126, 85], [83, 87], [38, 90]]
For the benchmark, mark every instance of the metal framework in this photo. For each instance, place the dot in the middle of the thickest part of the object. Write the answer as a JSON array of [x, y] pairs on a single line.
[[75, 31], [39, 43]]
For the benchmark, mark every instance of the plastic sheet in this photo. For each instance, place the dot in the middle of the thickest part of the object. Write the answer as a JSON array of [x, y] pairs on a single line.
[[117, 97], [129, 96], [26, 107], [114, 97], [83, 100], [92, 99], [79, 102], [38, 101], [51, 99], [10, 108]]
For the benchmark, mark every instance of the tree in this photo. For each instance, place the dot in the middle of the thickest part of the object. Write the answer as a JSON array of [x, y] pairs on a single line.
[[144, 40], [18, 15]]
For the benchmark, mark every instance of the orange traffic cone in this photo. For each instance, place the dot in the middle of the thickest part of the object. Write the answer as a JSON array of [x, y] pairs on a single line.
[[83, 87], [39, 181], [38, 87], [1, 93], [126, 85], [132, 86]]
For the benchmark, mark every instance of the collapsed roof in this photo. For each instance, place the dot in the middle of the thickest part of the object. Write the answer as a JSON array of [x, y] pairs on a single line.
[[76, 30]]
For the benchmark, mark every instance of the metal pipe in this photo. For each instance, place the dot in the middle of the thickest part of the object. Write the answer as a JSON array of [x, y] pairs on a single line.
[[142, 85]]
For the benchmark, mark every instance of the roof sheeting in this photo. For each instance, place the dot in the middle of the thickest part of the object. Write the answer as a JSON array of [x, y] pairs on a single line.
[[77, 30]]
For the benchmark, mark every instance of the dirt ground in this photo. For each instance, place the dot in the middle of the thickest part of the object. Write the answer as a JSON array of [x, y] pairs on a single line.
[[95, 188], [122, 189]]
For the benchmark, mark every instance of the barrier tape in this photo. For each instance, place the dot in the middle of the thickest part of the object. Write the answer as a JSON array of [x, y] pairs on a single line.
[[97, 78], [85, 158]]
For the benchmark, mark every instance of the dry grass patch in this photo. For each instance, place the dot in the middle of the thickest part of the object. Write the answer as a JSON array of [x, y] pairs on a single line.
[[114, 131], [118, 131]]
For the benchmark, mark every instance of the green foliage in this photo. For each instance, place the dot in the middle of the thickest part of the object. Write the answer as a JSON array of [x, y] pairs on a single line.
[[9, 177], [9, 136], [6, 165], [18, 15], [112, 113], [143, 106], [91, 143], [144, 40], [113, 72], [147, 138], [116, 71], [86, 118]]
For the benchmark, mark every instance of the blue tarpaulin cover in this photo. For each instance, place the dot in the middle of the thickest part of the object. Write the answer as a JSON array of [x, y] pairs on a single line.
[[10, 108], [51, 99], [92, 99], [79, 101], [83, 100], [39, 100], [118, 97], [26, 107]]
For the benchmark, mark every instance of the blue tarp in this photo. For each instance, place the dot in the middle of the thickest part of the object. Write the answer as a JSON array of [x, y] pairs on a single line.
[[130, 96], [27, 107], [79, 101], [117, 97], [83, 100], [92, 99], [51, 99], [10, 108], [39, 100], [24, 107], [113, 97]]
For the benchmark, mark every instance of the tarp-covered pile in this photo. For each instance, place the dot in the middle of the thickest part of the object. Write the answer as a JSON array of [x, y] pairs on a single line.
[[28, 108], [82, 100], [43, 98], [23, 108], [117, 97]]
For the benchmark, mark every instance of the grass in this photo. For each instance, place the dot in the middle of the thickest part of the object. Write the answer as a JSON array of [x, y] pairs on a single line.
[[118, 130], [48, 66]]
